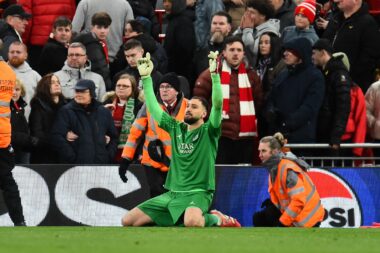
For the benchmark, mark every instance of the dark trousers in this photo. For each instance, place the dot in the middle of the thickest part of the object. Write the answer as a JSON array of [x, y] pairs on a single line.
[[270, 216], [156, 180], [9, 187], [237, 151]]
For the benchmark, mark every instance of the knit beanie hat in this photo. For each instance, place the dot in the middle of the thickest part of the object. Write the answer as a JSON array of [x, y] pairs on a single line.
[[306, 8], [172, 79]]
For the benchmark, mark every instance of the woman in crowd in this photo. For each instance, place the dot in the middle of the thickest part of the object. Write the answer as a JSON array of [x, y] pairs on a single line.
[[269, 65], [47, 100], [22, 142], [124, 105]]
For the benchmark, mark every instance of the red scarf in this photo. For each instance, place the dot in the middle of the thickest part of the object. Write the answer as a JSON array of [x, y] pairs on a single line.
[[247, 107], [105, 49]]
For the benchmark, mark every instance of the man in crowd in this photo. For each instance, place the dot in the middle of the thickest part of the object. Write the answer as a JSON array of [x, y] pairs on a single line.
[[84, 131], [17, 56], [241, 101], [78, 67], [54, 52], [16, 20]]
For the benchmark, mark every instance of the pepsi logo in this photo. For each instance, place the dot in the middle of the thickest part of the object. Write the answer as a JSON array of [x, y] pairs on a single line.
[[340, 202]]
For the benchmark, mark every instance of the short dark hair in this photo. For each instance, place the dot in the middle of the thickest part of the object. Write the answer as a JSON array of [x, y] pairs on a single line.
[[223, 14], [136, 25], [62, 21], [204, 102], [231, 39], [131, 44], [264, 7], [101, 19]]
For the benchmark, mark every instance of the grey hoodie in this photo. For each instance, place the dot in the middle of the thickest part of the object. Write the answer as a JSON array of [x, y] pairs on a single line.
[[251, 36], [69, 76]]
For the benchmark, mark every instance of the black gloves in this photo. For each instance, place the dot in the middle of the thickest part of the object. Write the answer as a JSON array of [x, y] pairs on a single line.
[[123, 169], [34, 141], [266, 203], [279, 224]]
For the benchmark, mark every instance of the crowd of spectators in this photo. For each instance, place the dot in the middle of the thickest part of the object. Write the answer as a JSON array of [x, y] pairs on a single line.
[[304, 68]]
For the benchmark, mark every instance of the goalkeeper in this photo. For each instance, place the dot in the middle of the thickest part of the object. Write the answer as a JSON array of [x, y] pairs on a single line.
[[191, 178]]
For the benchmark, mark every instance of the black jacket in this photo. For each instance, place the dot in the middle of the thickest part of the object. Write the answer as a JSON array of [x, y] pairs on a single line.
[[52, 58], [358, 36], [180, 40], [21, 139], [7, 35], [336, 106], [296, 97], [97, 57], [91, 124], [42, 116], [143, 8]]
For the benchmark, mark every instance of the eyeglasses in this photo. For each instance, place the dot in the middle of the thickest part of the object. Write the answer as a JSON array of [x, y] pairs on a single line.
[[123, 86], [166, 87], [75, 55]]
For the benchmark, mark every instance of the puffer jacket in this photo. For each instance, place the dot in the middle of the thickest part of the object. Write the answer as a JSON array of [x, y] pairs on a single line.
[[44, 12]]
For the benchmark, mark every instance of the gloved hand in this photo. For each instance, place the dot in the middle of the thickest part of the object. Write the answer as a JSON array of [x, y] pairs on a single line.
[[145, 65], [212, 61], [123, 169]]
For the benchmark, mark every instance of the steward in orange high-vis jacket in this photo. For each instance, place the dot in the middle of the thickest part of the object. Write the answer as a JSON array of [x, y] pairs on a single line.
[[294, 200], [7, 157], [156, 152]]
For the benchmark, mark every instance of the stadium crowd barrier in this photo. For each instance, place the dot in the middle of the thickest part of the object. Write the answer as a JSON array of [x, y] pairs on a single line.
[[95, 196]]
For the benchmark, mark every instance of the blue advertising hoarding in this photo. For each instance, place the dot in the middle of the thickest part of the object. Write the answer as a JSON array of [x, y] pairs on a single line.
[[351, 196]]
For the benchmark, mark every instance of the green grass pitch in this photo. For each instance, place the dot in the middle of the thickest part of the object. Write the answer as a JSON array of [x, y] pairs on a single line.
[[182, 240]]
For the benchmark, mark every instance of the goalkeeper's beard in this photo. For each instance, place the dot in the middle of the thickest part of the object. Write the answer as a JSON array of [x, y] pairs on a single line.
[[191, 120]]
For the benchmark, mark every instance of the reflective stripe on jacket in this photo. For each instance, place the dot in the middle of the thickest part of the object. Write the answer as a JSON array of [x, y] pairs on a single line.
[[145, 124], [299, 204], [7, 83]]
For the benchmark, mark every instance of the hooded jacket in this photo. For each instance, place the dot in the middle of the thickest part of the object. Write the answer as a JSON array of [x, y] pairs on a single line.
[[251, 36], [296, 96], [69, 76]]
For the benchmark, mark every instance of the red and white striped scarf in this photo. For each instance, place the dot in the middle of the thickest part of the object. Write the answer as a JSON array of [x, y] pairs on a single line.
[[248, 123]]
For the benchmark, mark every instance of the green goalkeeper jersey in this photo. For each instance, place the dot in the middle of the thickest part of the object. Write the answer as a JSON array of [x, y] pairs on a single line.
[[192, 167]]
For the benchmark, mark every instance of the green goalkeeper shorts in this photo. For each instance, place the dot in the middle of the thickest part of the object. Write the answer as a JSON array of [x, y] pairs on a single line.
[[166, 210]]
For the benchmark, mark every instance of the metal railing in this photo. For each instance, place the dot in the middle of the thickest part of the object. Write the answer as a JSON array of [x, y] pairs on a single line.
[[337, 161]]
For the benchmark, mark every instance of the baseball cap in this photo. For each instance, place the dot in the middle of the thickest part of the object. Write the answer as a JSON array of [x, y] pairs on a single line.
[[16, 10]]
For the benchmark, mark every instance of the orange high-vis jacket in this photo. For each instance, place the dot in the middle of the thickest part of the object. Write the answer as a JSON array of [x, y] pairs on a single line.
[[144, 124], [7, 83], [300, 205]]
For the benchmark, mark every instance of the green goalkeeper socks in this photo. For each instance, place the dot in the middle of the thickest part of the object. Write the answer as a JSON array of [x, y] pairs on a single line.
[[212, 220]]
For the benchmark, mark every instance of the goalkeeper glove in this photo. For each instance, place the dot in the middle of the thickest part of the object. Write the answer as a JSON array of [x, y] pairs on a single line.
[[145, 66]]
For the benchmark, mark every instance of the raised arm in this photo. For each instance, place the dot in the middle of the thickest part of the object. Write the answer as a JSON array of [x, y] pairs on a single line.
[[217, 95], [145, 67]]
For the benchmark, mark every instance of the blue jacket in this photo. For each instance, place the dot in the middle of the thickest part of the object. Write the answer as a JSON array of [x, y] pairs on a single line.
[[91, 125], [296, 96]]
